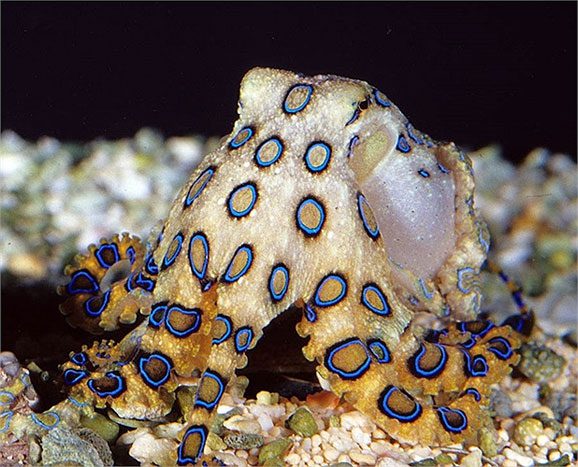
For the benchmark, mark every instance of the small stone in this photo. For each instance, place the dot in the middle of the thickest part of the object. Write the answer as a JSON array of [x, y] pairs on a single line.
[[267, 398], [429, 462], [361, 458], [238, 440], [540, 363], [542, 440], [355, 418], [274, 449], [487, 442], [473, 459], [522, 460], [444, 459], [331, 454], [334, 421], [215, 442], [527, 430], [361, 438], [293, 459], [564, 460], [242, 424], [302, 423], [548, 422]]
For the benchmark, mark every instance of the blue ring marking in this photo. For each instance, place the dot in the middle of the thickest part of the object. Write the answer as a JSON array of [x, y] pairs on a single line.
[[379, 350], [120, 386], [88, 304], [310, 313], [76, 402], [443, 416], [79, 359], [155, 383], [385, 309], [352, 143], [210, 405], [424, 173], [324, 163], [130, 285], [383, 401], [466, 326], [443, 168], [415, 360], [277, 297], [380, 98], [502, 355], [470, 363], [251, 186], [72, 377], [346, 374], [317, 300], [40, 423], [72, 289], [131, 254], [206, 284], [361, 202], [245, 330], [315, 230], [144, 282], [412, 135], [107, 246], [475, 393], [196, 312], [8, 416], [305, 101], [462, 277], [168, 260], [354, 117], [228, 331], [268, 163], [426, 293], [203, 432], [228, 277], [9, 396], [157, 316], [234, 144], [469, 343], [197, 192], [199, 236], [402, 145], [483, 241], [150, 265]]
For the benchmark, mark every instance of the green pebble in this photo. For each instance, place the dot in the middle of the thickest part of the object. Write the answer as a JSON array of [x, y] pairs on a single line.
[[548, 422], [335, 421], [424, 463], [444, 459], [487, 443], [102, 426], [237, 440], [302, 423], [215, 442], [276, 462], [564, 460], [274, 450], [539, 363], [527, 430]]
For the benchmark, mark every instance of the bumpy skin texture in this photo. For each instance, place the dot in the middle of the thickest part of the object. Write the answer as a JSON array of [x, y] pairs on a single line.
[[278, 216]]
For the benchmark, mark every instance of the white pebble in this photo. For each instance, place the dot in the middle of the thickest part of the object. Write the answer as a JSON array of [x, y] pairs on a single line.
[[542, 440], [318, 459], [565, 448], [331, 454], [509, 463], [361, 458], [524, 461], [380, 448], [474, 459], [293, 459], [344, 458], [360, 437], [554, 456], [351, 419], [242, 424]]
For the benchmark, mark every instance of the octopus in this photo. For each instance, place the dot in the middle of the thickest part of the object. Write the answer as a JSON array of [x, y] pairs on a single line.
[[324, 197]]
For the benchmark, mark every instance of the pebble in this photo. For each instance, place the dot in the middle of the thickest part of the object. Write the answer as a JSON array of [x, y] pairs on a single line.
[[527, 430], [242, 424], [473, 459], [355, 418], [360, 437], [542, 440], [540, 363], [331, 454], [362, 458], [302, 423], [522, 460], [274, 449], [293, 459], [238, 440]]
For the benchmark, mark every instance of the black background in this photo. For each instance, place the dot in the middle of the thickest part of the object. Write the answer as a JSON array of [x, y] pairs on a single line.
[[474, 73]]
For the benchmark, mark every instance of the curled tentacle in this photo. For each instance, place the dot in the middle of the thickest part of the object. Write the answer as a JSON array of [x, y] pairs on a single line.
[[108, 285]]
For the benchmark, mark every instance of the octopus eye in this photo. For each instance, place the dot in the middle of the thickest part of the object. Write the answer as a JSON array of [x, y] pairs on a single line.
[[363, 105]]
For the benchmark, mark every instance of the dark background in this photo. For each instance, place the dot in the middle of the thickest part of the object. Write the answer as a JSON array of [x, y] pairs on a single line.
[[475, 73]]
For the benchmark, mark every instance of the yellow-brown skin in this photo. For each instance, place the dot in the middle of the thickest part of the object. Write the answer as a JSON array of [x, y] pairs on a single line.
[[334, 111]]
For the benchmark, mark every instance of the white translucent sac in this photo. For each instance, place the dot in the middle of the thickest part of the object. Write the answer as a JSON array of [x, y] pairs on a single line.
[[412, 198]]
